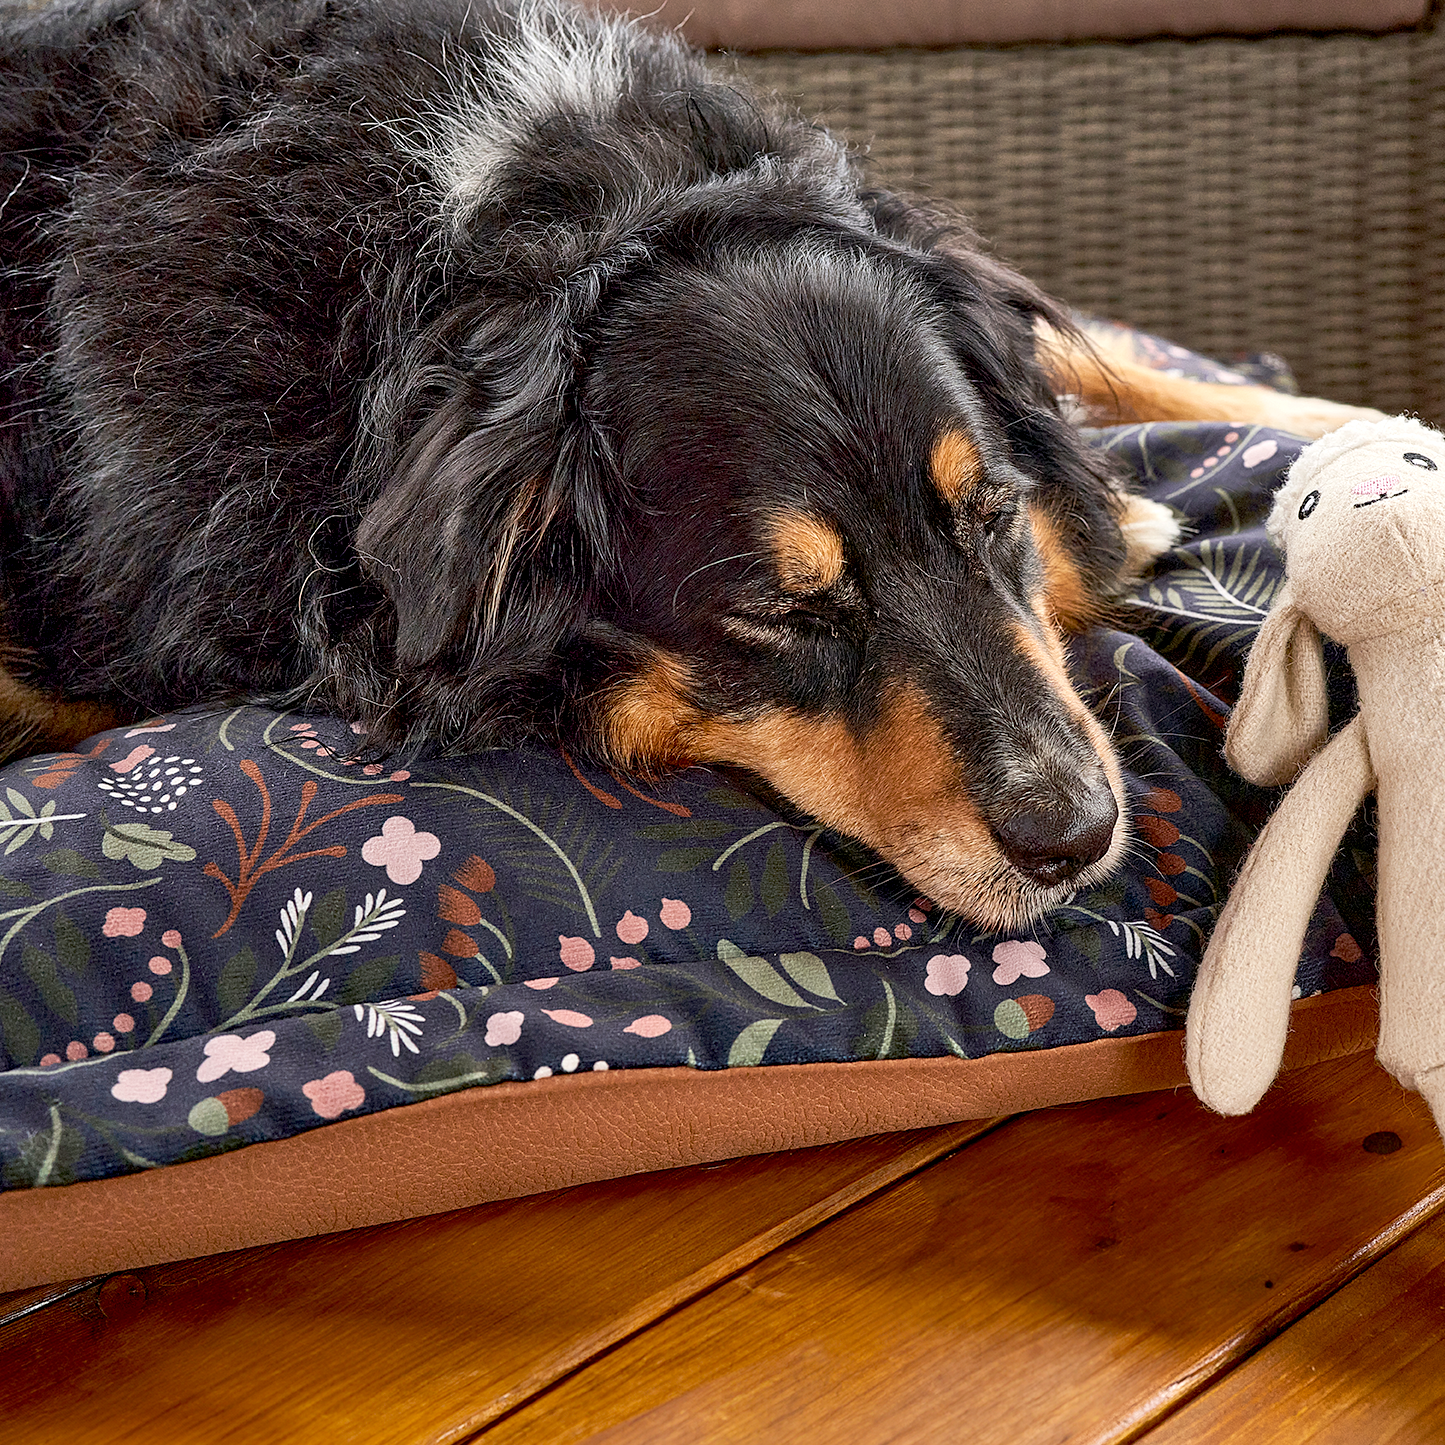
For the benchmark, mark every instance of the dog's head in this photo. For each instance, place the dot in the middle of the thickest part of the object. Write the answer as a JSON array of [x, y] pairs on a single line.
[[802, 505]]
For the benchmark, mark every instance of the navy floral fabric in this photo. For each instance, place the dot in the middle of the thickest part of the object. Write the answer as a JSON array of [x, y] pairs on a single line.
[[221, 929]]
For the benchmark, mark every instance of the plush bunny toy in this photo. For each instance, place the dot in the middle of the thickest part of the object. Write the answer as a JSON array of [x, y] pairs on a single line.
[[1361, 520]]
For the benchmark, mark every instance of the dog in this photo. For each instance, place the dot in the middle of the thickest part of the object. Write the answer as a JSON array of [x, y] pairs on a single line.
[[495, 372]]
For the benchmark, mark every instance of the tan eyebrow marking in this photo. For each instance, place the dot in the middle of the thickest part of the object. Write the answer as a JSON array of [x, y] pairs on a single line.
[[808, 552], [1070, 602], [956, 466]]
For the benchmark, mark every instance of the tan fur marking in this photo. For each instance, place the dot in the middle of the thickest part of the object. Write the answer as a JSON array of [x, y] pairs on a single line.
[[1047, 654], [645, 719], [808, 552], [32, 721], [956, 466], [1069, 600], [1114, 387]]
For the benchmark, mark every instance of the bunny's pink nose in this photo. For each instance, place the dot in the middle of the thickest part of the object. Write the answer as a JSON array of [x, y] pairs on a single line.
[[1375, 487]]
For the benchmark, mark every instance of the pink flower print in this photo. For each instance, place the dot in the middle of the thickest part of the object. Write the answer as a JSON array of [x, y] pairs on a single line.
[[882, 937], [334, 1094], [46, 1060], [141, 1086], [103, 1043], [576, 953], [171, 938], [160, 965], [123, 1024], [675, 913], [1259, 452], [541, 982], [400, 849], [631, 929], [567, 1016], [903, 933], [649, 1026], [505, 1028], [123, 922], [625, 962], [947, 974], [75, 1051], [132, 759], [1111, 1009], [1018, 960], [141, 992], [860, 942], [917, 915], [231, 1051]]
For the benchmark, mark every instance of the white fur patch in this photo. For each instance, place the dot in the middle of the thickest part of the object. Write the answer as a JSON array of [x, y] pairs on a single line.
[[557, 61], [1150, 529]]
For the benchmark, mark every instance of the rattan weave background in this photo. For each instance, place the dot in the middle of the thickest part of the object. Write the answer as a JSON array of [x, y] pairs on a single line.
[[1283, 194]]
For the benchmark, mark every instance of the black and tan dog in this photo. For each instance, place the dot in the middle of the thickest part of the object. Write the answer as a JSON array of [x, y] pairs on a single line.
[[487, 373]]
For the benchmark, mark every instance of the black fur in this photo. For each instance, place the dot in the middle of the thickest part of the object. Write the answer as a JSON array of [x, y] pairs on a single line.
[[281, 420]]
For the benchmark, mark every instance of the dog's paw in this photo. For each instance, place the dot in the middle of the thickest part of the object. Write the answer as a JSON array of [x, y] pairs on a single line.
[[1150, 529], [1312, 416]]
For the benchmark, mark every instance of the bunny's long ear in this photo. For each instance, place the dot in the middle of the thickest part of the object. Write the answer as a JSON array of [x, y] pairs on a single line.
[[1282, 715]]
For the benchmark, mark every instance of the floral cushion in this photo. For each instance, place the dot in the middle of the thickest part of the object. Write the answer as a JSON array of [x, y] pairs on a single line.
[[218, 930]]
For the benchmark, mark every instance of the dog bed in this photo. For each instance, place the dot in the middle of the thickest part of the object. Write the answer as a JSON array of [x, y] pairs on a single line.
[[253, 988]]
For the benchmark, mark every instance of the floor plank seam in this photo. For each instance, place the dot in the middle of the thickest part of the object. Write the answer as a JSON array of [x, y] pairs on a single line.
[[1231, 1357], [475, 1435]]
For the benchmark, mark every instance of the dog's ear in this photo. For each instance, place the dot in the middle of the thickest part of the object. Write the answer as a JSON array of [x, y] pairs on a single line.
[[1282, 715], [488, 543], [993, 317]]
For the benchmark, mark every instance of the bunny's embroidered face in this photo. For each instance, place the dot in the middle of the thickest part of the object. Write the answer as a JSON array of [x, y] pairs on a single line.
[[1361, 520]]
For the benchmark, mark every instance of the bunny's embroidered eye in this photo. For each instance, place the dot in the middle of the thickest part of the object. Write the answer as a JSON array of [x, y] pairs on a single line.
[[1419, 459], [1311, 501]]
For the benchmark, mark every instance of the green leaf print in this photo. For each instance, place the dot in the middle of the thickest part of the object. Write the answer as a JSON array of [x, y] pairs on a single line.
[[777, 887], [18, 1033], [809, 972], [368, 980], [72, 947], [59, 997], [738, 896], [760, 976], [834, 915], [750, 1045], [143, 846], [67, 863], [328, 917], [234, 985]]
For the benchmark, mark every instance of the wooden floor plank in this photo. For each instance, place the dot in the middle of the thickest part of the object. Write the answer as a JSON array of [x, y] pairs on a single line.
[[1367, 1366], [1073, 1276], [16, 1304], [415, 1332]]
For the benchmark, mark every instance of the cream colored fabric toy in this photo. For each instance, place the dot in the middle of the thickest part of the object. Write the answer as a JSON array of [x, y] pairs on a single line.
[[1361, 520]]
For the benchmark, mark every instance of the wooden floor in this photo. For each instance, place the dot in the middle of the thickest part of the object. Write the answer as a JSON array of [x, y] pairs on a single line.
[[1134, 1269]]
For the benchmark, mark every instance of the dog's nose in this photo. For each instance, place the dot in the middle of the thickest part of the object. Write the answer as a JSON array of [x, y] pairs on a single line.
[[1052, 845]]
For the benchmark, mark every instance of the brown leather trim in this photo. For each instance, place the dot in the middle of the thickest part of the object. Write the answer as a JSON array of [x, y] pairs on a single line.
[[512, 1139]]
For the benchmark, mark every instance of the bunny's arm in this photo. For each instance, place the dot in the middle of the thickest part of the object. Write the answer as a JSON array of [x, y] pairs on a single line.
[[1239, 1010]]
